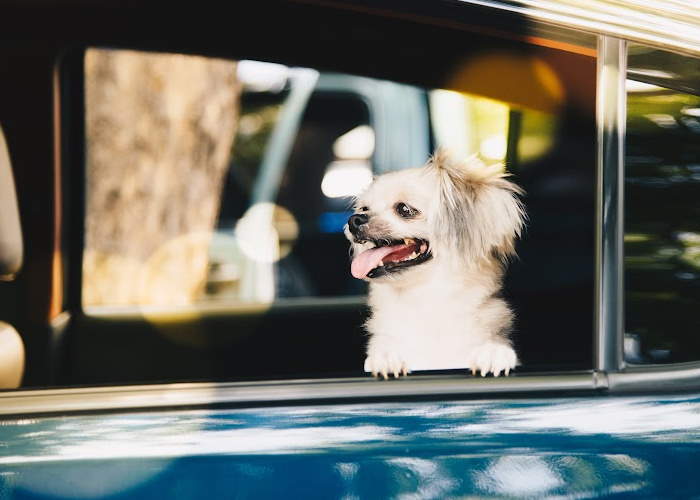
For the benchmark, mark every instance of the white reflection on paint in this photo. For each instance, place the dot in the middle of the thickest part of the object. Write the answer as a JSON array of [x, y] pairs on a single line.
[[628, 464], [168, 442], [473, 426], [347, 470], [664, 420], [102, 443], [61, 442], [433, 482], [162, 440], [518, 475], [623, 417]]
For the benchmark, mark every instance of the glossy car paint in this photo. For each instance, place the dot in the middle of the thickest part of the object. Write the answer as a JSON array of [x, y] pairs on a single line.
[[536, 448]]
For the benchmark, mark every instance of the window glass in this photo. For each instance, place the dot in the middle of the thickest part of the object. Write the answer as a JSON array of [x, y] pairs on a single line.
[[662, 207]]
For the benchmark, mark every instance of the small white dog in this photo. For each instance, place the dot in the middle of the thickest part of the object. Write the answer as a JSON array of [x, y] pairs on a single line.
[[433, 243]]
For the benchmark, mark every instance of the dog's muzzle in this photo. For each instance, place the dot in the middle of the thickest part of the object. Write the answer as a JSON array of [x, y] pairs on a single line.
[[357, 225]]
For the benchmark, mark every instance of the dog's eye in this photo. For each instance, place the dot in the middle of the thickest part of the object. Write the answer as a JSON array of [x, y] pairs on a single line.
[[405, 211], [363, 209]]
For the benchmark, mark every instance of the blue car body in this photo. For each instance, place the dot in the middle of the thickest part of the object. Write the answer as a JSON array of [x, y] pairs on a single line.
[[527, 448]]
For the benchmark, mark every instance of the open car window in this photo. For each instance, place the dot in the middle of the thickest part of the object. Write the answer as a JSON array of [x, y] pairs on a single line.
[[217, 191]]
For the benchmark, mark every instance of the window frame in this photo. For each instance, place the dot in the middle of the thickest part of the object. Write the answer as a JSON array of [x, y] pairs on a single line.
[[609, 374]]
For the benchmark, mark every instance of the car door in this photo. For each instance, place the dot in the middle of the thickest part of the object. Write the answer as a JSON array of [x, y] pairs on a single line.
[[260, 394]]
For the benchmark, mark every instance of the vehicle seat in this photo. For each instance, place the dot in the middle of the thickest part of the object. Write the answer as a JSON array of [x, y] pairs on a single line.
[[11, 251], [11, 357]]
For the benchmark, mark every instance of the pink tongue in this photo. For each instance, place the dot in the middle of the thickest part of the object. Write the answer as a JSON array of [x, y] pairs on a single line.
[[369, 259]]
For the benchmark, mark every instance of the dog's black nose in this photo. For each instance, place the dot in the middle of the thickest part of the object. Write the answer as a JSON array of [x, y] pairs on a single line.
[[355, 221]]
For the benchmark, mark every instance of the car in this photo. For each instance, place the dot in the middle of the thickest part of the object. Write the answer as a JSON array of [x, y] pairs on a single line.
[[177, 317]]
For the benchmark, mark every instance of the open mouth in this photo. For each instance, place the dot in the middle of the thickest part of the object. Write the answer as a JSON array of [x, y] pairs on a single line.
[[389, 256]]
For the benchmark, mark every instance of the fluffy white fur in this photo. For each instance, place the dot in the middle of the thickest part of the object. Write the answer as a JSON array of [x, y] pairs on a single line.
[[445, 312]]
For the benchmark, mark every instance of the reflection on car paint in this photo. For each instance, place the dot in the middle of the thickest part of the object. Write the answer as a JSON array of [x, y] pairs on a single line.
[[571, 448]]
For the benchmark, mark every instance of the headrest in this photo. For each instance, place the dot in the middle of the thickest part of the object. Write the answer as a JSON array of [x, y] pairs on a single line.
[[10, 229]]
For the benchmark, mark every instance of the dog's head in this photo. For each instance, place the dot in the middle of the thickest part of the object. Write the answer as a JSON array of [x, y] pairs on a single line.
[[466, 213]]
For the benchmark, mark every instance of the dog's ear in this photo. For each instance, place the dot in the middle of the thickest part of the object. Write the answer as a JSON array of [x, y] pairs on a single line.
[[480, 212]]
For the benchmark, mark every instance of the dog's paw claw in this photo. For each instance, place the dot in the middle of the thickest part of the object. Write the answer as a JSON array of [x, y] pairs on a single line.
[[385, 365], [493, 357]]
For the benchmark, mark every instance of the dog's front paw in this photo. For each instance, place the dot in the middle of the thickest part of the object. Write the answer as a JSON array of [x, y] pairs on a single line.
[[494, 357], [385, 363]]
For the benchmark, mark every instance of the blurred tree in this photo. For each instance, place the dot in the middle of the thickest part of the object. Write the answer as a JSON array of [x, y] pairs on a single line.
[[160, 129]]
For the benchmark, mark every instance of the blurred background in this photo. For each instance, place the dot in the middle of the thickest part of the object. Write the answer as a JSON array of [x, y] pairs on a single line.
[[662, 213], [213, 180]]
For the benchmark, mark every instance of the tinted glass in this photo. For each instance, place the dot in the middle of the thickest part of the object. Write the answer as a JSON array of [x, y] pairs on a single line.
[[662, 207]]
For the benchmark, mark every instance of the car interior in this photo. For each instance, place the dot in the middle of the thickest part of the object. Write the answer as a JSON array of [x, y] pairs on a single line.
[[11, 251]]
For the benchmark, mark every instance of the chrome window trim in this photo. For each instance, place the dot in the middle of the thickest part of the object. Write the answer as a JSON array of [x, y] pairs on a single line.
[[655, 378], [611, 120], [280, 393], [670, 24], [645, 378]]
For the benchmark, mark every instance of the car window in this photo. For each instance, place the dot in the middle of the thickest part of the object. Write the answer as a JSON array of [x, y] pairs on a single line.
[[217, 191], [662, 213]]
